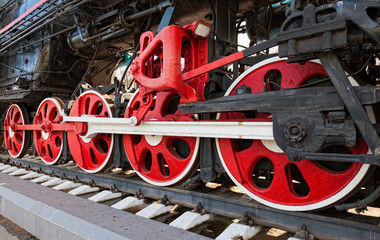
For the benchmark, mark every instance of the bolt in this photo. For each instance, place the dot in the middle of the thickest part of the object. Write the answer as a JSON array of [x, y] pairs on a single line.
[[133, 121], [292, 155], [94, 70], [53, 41], [295, 131], [134, 67], [63, 176], [48, 127], [92, 183]]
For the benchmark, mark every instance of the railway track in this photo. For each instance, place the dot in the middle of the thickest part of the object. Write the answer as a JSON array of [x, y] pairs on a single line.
[[327, 224]]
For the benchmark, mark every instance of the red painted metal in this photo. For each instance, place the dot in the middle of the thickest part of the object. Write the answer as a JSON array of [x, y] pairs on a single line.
[[193, 27], [22, 16], [153, 74], [48, 143], [213, 65], [173, 157], [322, 182], [15, 140], [94, 155], [52, 127]]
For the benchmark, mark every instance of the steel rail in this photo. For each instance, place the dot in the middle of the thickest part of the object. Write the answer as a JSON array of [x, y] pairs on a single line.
[[323, 227]]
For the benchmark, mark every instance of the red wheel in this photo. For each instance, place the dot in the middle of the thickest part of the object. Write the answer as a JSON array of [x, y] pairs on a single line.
[[95, 154], [48, 144], [161, 160], [16, 142], [264, 172]]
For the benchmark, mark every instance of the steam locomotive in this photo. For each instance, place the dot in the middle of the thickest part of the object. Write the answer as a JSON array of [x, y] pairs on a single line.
[[291, 117]]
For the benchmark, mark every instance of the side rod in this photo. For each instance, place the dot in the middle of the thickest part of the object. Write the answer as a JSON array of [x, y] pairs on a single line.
[[211, 129]]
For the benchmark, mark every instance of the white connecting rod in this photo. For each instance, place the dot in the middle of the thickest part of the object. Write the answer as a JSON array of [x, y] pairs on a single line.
[[212, 129]]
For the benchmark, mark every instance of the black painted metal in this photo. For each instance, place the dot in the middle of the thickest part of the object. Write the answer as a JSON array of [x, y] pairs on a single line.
[[296, 155], [320, 226], [311, 98], [260, 47], [318, 29], [351, 101], [165, 21], [206, 161]]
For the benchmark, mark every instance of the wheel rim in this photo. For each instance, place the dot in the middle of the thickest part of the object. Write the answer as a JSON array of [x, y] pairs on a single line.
[[264, 172], [95, 154], [49, 145], [16, 141], [161, 160]]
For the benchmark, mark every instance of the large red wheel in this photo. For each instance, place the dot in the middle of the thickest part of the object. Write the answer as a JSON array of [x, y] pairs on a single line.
[[93, 154], [16, 142], [264, 172], [162, 160], [48, 144]]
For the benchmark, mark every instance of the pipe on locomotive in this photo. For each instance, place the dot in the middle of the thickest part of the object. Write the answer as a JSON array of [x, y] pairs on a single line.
[[88, 35]]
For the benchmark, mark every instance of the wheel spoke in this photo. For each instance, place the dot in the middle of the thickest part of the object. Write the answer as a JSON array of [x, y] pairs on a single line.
[[320, 179], [99, 153], [17, 140], [56, 139], [55, 151], [92, 106], [281, 183], [174, 163], [155, 168]]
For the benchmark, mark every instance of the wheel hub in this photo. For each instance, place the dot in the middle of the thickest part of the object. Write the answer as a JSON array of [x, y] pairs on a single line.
[[153, 140], [295, 130], [45, 135], [11, 132]]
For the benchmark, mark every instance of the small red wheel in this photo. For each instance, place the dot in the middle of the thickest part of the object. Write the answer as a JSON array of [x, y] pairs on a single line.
[[48, 144], [95, 154], [16, 142], [161, 160], [262, 169]]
